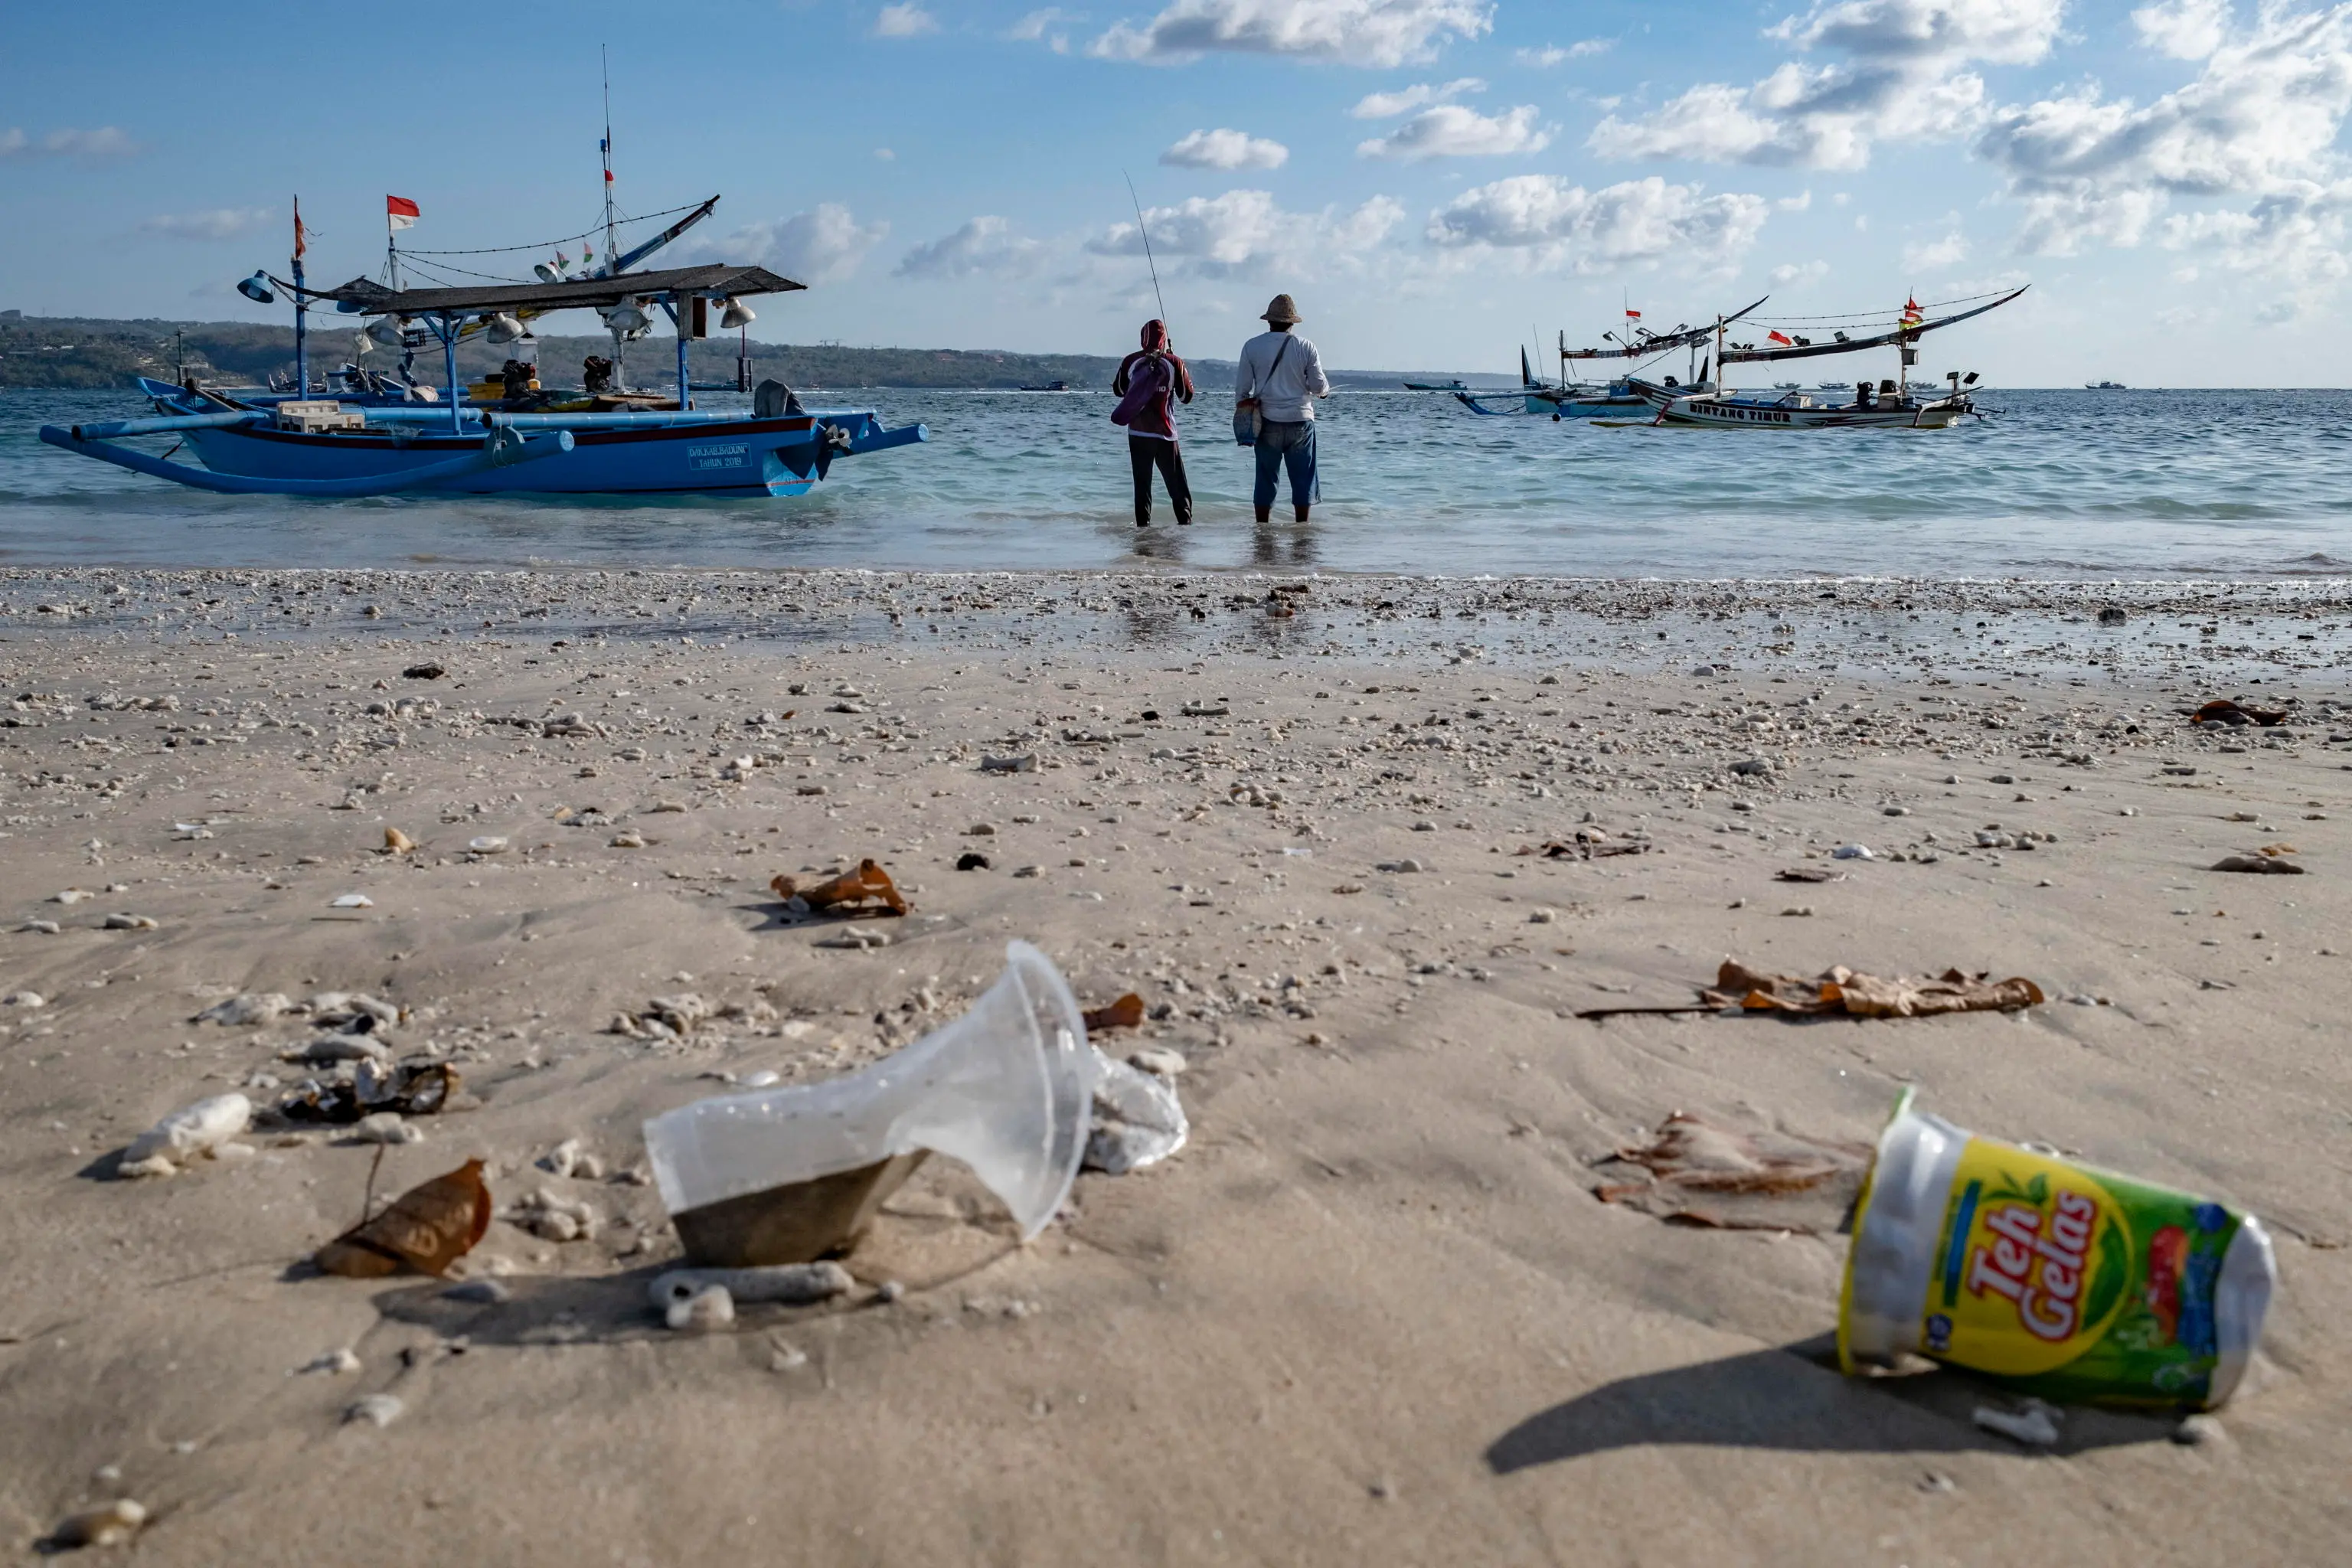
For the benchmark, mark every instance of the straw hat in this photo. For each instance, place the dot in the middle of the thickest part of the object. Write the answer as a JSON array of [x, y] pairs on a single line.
[[1283, 313]]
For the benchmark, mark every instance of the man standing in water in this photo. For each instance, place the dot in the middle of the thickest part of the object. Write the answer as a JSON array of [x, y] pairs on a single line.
[[1280, 375], [1150, 383]]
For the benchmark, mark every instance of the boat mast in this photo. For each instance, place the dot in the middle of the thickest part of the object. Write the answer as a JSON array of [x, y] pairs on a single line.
[[301, 310], [612, 246]]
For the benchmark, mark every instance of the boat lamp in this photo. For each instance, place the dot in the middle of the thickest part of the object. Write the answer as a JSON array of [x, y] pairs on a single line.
[[387, 331], [738, 314], [257, 288], [502, 328]]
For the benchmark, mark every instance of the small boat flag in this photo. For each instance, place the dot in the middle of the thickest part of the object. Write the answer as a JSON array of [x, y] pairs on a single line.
[[1631, 314], [1782, 338], [1910, 312], [399, 212], [301, 237]]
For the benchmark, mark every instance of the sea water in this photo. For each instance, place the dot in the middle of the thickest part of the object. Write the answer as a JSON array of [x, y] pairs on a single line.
[[2052, 483]]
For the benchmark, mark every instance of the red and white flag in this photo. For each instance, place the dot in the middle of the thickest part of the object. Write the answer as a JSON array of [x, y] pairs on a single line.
[[1631, 314], [399, 213], [1782, 338]]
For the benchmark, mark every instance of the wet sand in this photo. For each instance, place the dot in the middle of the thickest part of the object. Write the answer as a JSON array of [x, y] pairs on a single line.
[[1372, 1311]]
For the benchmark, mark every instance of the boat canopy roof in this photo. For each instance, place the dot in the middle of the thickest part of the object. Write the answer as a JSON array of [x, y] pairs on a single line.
[[1660, 342], [1901, 335], [364, 296]]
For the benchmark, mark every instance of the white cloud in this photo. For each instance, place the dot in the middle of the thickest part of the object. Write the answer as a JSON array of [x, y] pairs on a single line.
[[1789, 273], [904, 21], [1903, 75], [105, 142], [886, 156], [1383, 34], [1636, 221], [1041, 25], [985, 244], [1246, 232], [824, 246], [1935, 254], [219, 222], [2185, 29], [1450, 130], [2258, 126], [1223, 149], [1388, 105], [1801, 202], [1553, 54]]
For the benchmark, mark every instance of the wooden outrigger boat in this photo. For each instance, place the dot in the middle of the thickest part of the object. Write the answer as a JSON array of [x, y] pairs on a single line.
[[1572, 398], [1895, 403], [327, 448]]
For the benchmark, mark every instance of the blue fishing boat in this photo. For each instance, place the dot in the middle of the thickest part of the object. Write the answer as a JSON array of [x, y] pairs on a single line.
[[331, 447]]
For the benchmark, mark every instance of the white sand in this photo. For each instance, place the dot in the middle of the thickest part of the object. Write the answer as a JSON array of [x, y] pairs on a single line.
[[1371, 1312]]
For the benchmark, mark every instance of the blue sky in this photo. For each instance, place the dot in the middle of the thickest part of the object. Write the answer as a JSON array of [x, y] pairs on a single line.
[[1438, 181]]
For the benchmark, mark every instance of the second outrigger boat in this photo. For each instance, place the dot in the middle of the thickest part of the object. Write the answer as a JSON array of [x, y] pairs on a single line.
[[1894, 403]]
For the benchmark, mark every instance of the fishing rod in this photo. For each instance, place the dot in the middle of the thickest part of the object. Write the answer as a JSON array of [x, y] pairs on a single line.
[[1143, 229]]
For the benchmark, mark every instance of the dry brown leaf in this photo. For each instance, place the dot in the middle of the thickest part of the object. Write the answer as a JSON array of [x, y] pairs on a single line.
[[1696, 1173], [1126, 1013], [426, 1229], [2221, 708], [849, 893], [1842, 990]]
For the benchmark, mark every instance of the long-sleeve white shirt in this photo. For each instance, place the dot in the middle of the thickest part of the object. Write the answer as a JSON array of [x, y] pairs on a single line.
[[1286, 395]]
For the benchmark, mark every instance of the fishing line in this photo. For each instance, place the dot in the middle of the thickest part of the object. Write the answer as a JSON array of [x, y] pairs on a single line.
[[1143, 229]]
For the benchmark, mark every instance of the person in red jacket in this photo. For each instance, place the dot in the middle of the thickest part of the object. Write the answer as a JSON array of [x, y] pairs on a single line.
[[1150, 383]]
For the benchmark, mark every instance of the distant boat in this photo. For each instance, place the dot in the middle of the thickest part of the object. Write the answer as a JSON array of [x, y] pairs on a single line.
[[1049, 386], [2105, 386], [1435, 386], [1787, 387]]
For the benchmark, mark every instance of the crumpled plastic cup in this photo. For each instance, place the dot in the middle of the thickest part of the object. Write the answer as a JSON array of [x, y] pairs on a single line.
[[785, 1175]]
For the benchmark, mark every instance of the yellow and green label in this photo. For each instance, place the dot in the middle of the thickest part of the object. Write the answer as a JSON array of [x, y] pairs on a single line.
[[2083, 1285]]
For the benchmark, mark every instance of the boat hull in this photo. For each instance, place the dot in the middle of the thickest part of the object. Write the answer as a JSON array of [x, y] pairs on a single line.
[[749, 458], [1677, 406]]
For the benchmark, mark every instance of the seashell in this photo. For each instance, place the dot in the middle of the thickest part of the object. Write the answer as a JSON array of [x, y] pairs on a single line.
[[246, 1009], [128, 922], [563, 1159], [25, 999], [704, 1311], [1158, 1059], [352, 902], [154, 1165], [192, 1130], [628, 839], [345, 1008], [337, 1362], [764, 1078], [488, 844], [111, 1525], [480, 1292], [395, 842], [44, 928], [661, 806], [793, 1284], [386, 1127], [71, 896], [381, 1409], [340, 1049]]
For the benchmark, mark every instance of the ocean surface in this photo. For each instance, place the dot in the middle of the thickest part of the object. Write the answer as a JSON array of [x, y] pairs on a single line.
[[2143, 485]]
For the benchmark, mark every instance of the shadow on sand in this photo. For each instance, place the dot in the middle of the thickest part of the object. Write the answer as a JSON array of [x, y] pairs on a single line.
[[1793, 1398]]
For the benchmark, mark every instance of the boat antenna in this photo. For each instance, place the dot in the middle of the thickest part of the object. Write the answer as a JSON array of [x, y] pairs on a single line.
[[604, 147], [1141, 228]]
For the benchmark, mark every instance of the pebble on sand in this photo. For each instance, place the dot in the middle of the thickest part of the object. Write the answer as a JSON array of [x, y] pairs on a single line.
[[112, 1524], [377, 1409]]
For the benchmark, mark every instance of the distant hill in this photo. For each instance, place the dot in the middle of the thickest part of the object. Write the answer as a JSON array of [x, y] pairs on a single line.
[[77, 351]]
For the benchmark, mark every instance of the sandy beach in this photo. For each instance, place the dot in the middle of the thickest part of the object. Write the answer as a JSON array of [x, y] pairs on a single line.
[[1373, 1310]]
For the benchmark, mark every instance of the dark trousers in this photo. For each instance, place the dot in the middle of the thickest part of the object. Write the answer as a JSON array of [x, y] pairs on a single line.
[[1143, 453]]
